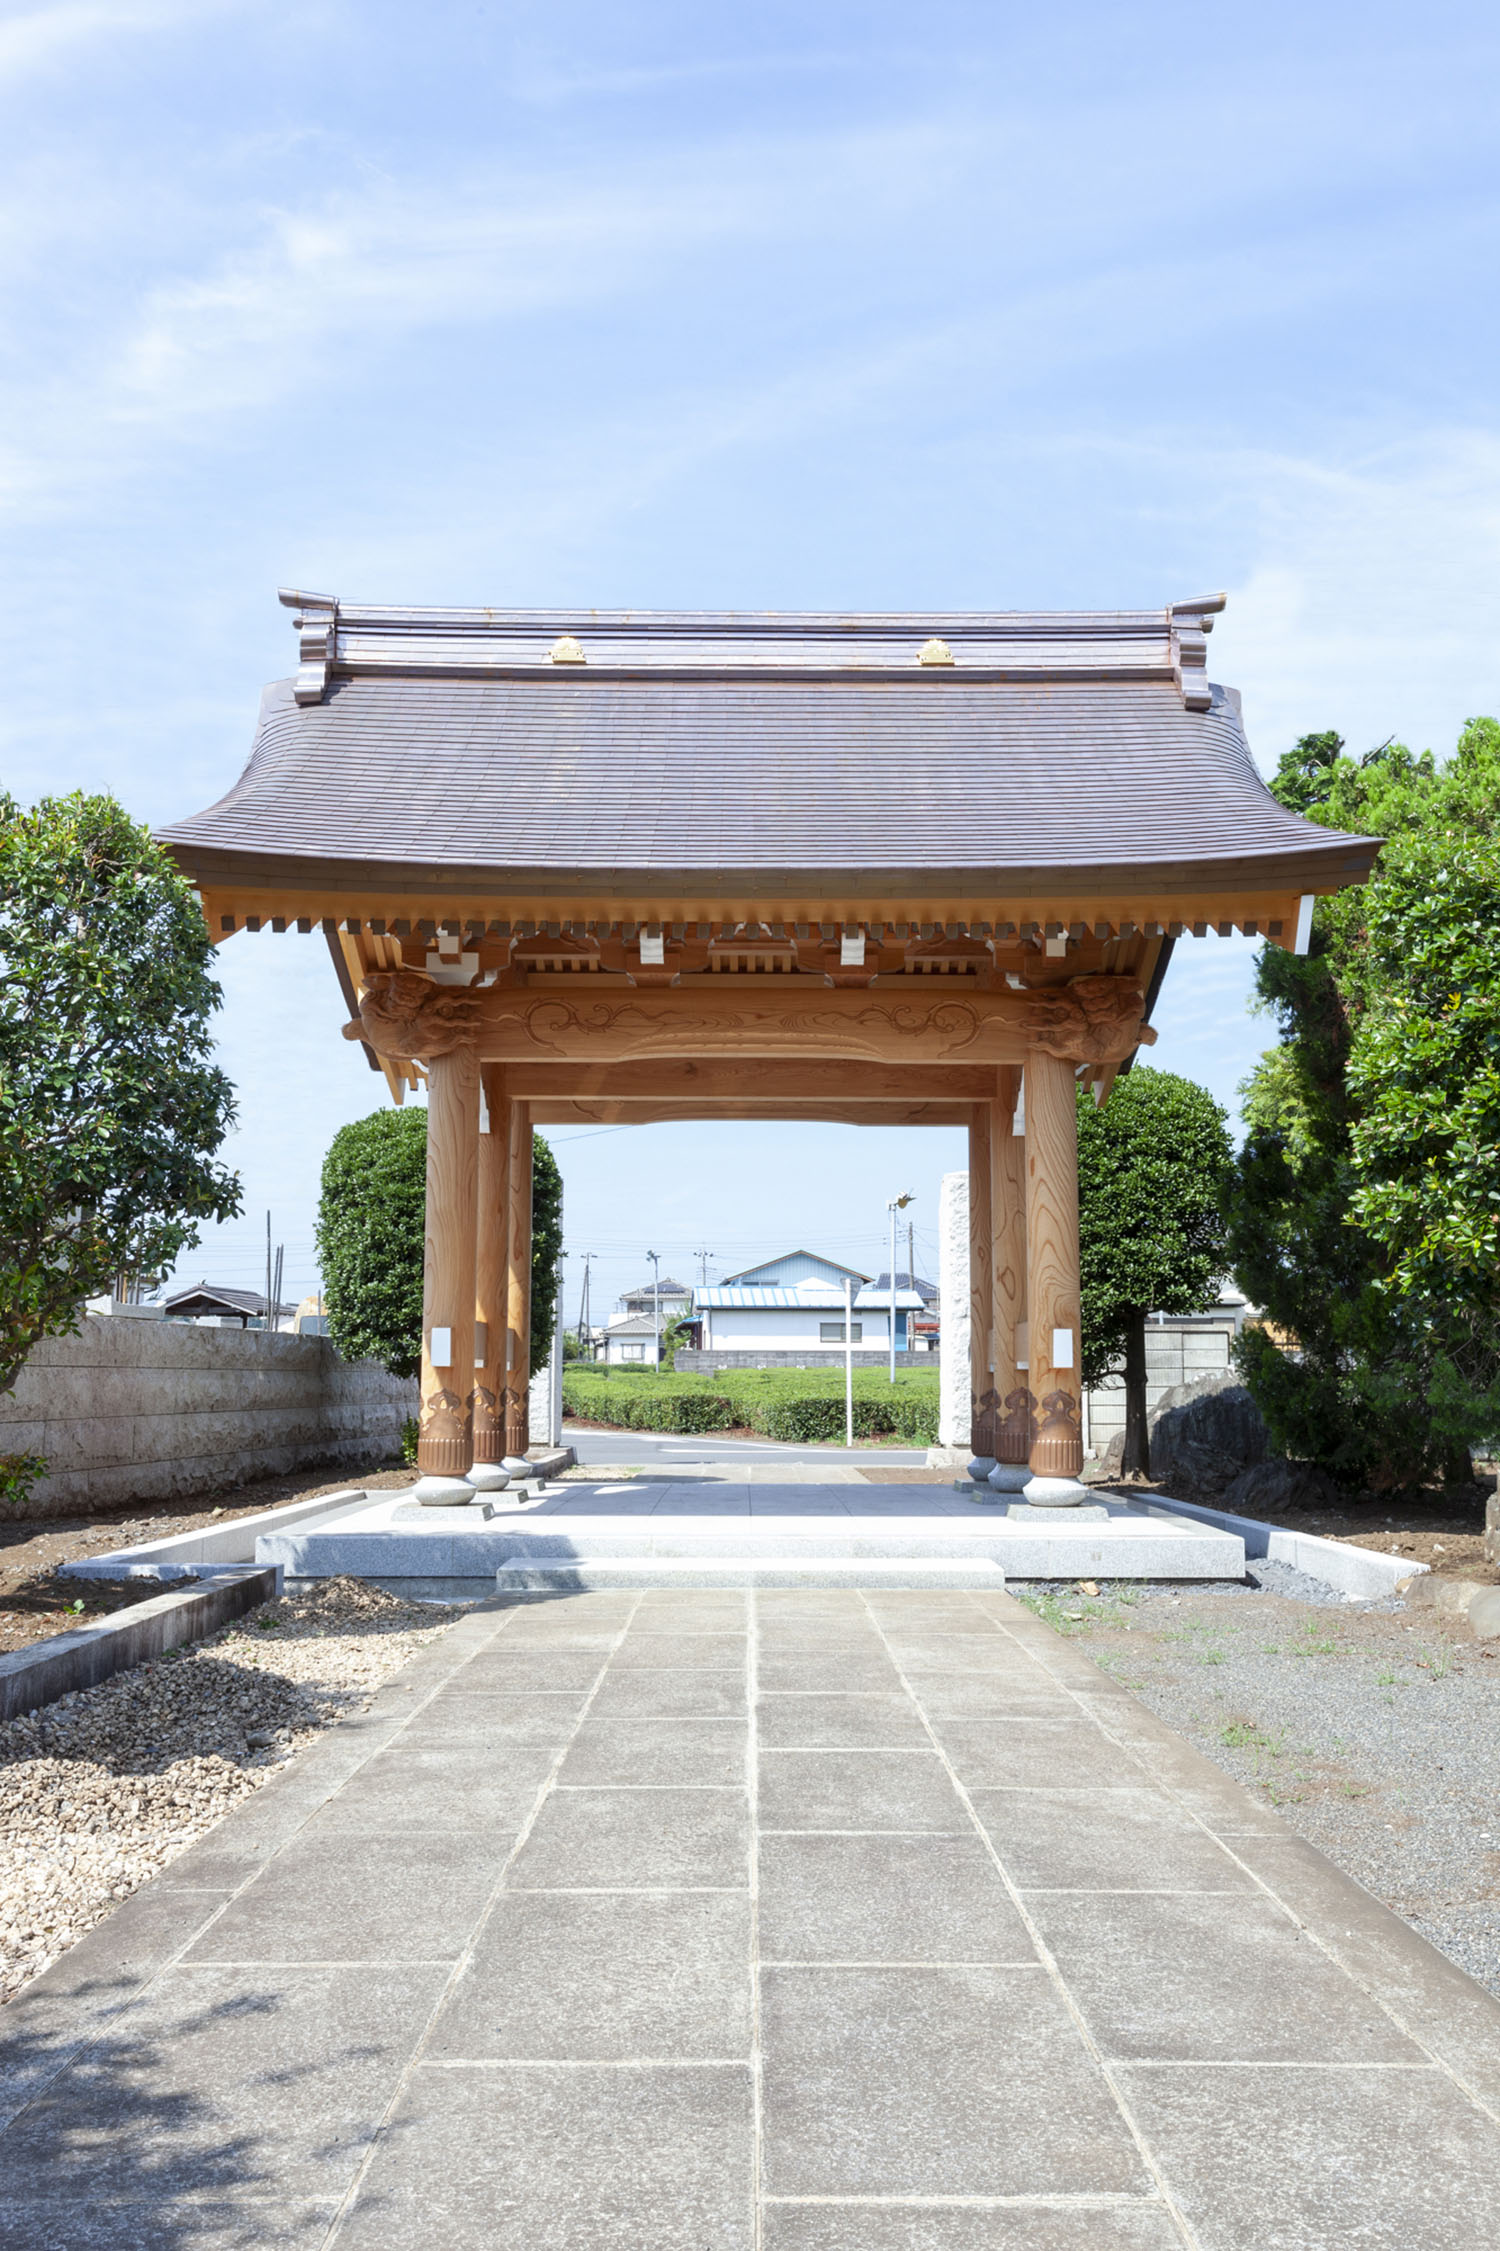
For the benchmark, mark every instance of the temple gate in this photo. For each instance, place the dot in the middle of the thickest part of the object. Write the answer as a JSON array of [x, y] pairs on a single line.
[[623, 866]]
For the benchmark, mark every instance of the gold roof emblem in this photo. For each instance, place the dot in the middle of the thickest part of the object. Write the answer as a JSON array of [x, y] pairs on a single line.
[[565, 650], [935, 652]]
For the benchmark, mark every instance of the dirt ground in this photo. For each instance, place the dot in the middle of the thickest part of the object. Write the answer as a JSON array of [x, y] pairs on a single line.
[[35, 1602]]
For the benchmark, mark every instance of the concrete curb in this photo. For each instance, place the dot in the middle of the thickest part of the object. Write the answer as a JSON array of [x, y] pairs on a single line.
[[32, 1677], [1359, 1573], [219, 1547]]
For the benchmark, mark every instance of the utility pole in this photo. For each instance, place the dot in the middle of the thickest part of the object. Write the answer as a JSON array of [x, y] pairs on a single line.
[[911, 1264], [848, 1360], [656, 1301], [895, 1204], [703, 1258], [583, 1306], [267, 1323]]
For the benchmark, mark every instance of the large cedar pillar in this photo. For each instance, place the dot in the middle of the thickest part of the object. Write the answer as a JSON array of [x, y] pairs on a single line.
[[518, 1280], [1015, 1402], [489, 1270], [1052, 1287], [981, 1260], [448, 1265]]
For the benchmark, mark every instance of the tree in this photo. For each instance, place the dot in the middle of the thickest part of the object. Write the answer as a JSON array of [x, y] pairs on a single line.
[[111, 1106], [371, 1219], [1152, 1165], [1363, 1220], [371, 1222]]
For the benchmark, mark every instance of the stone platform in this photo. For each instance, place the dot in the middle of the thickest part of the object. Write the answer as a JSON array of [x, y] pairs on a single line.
[[724, 1527]]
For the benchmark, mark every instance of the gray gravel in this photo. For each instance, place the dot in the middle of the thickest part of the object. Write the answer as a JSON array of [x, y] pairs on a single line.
[[1375, 1732]]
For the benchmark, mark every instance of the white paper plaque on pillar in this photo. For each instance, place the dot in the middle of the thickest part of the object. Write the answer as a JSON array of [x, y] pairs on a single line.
[[440, 1347], [1062, 1348]]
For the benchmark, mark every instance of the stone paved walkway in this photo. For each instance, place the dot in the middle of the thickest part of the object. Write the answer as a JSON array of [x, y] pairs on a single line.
[[806, 1921]]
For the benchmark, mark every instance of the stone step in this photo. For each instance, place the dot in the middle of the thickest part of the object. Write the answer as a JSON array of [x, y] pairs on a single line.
[[749, 1538], [596, 1574]]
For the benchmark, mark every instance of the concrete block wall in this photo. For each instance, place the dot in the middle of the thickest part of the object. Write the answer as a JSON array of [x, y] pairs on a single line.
[[131, 1411], [1175, 1353]]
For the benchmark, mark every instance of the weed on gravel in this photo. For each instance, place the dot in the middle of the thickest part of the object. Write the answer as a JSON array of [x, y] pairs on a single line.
[[1375, 1734], [103, 1788]]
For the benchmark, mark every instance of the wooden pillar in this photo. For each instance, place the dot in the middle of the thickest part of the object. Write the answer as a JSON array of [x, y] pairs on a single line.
[[1052, 1287], [518, 1280], [490, 1311], [1015, 1402], [448, 1266], [981, 1260]]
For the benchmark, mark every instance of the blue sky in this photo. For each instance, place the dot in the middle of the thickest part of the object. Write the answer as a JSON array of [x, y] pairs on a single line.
[[774, 307]]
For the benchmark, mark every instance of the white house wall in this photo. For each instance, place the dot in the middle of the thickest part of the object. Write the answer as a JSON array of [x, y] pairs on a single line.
[[784, 1329]]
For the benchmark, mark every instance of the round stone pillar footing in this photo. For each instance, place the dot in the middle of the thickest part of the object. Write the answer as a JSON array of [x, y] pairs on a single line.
[[489, 1477], [980, 1467], [442, 1492], [1010, 1477], [1053, 1492], [516, 1465]]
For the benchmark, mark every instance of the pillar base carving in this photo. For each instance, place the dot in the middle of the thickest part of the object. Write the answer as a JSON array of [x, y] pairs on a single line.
[[442, 1457]]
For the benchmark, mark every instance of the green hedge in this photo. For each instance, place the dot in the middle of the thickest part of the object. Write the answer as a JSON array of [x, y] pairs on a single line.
[[802, 1406]]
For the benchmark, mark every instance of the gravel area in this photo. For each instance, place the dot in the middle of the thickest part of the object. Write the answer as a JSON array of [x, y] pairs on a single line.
[[35, 1602], [1374, 1731], [103, 1788]]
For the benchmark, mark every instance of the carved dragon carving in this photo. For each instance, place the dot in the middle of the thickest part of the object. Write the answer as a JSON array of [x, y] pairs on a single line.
[[1088, 1020], [403, 1012]]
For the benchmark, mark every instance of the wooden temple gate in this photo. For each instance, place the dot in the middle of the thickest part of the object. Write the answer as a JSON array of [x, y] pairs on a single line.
[[628, 867]]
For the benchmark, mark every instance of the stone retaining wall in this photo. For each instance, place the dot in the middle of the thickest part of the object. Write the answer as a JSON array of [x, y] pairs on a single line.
[[140, 1410]]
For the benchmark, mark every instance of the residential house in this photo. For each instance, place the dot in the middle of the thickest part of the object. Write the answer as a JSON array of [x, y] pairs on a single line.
[[788, 1312]]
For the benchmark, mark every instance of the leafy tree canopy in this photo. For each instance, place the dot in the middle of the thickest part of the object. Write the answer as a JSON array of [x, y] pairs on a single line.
[[1364, 1216], [1152, 1167], [111, 1106], [370, 1229]]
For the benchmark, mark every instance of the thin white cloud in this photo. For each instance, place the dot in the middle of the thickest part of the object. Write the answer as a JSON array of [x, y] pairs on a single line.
[[43, 36]]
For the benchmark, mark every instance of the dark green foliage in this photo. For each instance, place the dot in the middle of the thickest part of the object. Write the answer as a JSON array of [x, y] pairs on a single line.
[[1152, 1165], [371, 1222], [546, 1249], [802, 1407], [111, 1107], [1364, 1214], [371, 1216]]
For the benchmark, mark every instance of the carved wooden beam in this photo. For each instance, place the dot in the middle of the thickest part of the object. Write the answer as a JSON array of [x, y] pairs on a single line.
[[1092, 1020]]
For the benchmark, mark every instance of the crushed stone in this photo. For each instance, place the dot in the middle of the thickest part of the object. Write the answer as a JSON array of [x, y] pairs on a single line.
[[105, 1787], [1375, 1732]]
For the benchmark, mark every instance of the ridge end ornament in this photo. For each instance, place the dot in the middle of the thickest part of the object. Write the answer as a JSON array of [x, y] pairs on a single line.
[[404, 1012]]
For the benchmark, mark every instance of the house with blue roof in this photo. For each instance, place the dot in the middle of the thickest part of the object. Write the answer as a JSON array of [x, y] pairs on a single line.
[[789, 1312]]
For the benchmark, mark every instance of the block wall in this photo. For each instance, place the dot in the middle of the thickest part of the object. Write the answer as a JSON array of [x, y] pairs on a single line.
[[140, 1410]]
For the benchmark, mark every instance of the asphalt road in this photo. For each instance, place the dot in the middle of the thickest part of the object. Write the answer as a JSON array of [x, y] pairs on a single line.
[[610, 1446]]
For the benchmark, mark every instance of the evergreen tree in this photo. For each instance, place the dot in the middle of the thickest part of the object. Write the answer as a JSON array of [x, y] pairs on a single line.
[[1152, 1166]]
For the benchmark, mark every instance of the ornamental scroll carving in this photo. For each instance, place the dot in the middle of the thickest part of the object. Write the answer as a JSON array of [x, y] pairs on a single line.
[[403, 1012], [1089, 1020]]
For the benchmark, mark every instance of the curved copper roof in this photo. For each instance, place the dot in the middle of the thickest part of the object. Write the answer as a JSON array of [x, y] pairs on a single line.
[[453, 745]]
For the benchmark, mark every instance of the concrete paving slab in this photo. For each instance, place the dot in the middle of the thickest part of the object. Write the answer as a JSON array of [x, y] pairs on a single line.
[[1082, 2224], [590, 2159], [858, 1790], [1053, 1840], [636, 1840], [839, 1721], [933, 2082], [604, 1977], [886, 1899], [635, 1753], [1198, 1978], [1095, 1997], [1322, 2160], [211, 2085]]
